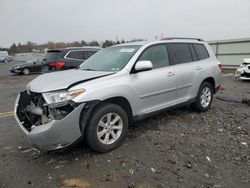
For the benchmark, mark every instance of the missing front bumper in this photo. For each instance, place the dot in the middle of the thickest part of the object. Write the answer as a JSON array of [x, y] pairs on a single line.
[[56, 133]]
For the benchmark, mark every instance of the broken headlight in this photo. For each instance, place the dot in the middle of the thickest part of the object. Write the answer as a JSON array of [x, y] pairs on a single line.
[[61, 96]]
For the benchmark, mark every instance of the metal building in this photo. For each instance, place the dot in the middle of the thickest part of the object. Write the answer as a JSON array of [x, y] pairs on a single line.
[[231, 53]]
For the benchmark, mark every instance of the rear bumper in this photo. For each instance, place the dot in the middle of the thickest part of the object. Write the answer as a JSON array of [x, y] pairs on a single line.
[[54, 135]]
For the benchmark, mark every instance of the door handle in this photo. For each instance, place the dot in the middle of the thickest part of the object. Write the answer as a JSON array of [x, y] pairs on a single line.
[[198, 68], [170, 73]]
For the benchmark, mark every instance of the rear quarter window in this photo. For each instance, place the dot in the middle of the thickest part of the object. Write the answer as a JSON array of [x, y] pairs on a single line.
[[201, 51], [180, 53]]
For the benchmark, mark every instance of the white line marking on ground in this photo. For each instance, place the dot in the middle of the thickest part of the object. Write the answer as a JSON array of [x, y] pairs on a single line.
[[6, 114]]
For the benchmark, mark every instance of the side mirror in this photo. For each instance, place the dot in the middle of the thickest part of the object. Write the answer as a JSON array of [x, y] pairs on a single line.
[[143, 66]]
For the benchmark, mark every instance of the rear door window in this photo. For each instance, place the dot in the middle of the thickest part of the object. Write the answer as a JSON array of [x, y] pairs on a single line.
[[157, 54], [201, 51], [76, 55], [180, 53]]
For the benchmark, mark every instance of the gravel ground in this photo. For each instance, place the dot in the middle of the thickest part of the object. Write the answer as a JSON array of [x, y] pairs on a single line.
[[180, 148]]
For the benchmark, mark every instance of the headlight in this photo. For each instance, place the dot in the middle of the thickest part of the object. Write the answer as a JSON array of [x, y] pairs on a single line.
[[61, 96], [16, 67]]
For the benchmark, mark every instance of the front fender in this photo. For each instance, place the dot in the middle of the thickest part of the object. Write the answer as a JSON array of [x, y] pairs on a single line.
[[107, 92]]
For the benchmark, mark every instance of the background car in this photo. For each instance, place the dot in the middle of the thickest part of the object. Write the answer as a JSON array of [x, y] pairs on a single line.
[[4, 57], [68, 58], [32, 66], [57, 59], [243, 72]]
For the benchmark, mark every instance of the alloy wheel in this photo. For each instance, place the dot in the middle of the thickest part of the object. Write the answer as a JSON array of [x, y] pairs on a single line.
[[205, 97], [109, 128]]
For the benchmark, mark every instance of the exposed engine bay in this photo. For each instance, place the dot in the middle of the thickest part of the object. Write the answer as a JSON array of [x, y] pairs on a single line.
[[243, 72], [32, 110]]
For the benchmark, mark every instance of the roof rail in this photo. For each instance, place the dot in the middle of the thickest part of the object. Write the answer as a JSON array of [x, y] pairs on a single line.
[[83, 47], [172, 38]]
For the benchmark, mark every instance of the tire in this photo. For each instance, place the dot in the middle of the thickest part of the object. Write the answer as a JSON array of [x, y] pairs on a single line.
[[111, 135], [26, 71], [204, 98]]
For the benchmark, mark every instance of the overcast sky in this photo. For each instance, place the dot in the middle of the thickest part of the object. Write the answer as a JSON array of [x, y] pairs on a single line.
[[74, 20]]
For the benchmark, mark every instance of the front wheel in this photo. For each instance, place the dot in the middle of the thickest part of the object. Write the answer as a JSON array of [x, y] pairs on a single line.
[[204, 98], [107, 128]]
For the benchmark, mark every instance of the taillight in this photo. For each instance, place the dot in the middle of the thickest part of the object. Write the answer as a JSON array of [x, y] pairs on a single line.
[[219, 65], [58, 65]]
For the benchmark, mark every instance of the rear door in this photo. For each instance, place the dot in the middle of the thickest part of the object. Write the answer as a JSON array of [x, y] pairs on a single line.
[[156, 88], [183, 57]]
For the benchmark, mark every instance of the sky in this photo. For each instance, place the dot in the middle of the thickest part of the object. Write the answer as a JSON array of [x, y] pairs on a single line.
[[41, 21]]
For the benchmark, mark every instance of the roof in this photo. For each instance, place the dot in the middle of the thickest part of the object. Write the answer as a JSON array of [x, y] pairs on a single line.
[[75, 48], [140, 43], [183, 38], [85, 47]]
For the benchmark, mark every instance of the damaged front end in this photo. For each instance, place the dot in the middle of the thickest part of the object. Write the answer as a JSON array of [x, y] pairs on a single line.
[[49, 127], [243, 72], [33, 111]]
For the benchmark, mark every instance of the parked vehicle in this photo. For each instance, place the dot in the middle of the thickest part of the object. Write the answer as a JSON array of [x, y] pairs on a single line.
[[69, 58], [4, 57], [118, 85], [243, 72], [32, 66], [58, 59]]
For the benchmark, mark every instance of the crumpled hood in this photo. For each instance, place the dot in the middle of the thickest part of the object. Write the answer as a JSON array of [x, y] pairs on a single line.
[[62, 80]]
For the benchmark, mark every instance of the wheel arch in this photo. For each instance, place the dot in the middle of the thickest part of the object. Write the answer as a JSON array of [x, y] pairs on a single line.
[[91, 106], [210, 80], [122, 102]]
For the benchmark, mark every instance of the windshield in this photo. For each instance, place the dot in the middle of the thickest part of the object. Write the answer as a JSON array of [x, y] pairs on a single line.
[[30, 61], [111, 59]]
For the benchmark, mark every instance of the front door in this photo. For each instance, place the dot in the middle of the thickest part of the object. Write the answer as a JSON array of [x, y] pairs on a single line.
[[155, 88]]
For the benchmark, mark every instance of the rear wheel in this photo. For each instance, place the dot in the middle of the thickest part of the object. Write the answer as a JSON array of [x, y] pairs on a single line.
[[26, 71], [107, 128], [204, 98]]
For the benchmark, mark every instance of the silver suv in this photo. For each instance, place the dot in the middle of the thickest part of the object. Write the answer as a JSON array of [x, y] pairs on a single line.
[[116, 86]]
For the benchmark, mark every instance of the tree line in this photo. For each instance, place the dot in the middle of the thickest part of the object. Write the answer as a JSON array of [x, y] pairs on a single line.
[[34, 47]]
